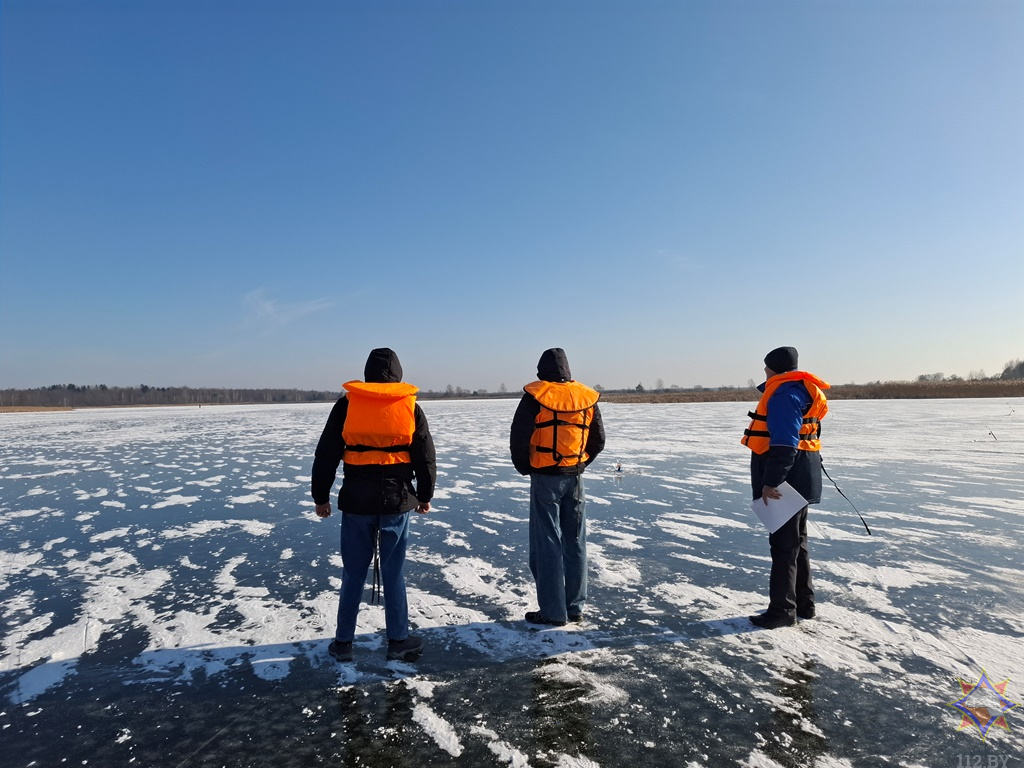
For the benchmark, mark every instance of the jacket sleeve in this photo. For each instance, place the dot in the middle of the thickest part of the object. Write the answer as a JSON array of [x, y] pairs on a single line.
[[595, 437], [522, 432], [424, 458], [786, 414], [784, 419], [329, 452], [780, 460]]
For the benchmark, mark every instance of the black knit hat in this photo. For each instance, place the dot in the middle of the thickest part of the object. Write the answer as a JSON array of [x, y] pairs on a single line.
[[781, 359]]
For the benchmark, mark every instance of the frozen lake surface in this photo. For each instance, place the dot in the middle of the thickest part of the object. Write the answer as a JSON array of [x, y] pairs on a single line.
[[168, 595]]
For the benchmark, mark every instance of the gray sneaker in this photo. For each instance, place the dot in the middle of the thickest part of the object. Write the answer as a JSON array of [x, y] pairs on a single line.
[[405, 650], [536, 617], [340, 651]]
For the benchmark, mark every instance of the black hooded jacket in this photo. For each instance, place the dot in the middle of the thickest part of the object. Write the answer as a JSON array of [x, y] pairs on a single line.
[[373, 489], [553, 366]]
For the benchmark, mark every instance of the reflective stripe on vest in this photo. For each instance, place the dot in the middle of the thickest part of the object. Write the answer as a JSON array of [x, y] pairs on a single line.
[[757, 438], [380, 422], [561, 428]]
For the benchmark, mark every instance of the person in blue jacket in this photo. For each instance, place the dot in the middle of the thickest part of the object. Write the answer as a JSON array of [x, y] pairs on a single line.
[[785, 442]]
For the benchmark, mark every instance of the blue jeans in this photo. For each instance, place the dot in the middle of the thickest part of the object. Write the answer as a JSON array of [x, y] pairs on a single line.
[[357, 535], [558, 544]]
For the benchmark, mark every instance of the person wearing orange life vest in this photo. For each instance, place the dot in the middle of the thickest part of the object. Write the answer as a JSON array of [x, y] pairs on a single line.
[[381, 434], [784, 438], [556, 433]]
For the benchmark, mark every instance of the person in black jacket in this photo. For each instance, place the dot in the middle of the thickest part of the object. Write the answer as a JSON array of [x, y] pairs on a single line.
[[556, 433], [381, 434]]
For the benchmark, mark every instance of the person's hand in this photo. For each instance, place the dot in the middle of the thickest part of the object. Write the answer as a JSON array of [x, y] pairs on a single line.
[[423, 508], [323, 510], [770, 493]]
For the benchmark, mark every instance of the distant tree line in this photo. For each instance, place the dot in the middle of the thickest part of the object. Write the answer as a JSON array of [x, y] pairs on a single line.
[[1013, 370], [91, 396], [928, 385], [100, 395]]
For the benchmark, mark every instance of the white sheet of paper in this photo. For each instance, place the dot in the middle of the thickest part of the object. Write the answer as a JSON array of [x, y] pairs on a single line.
[[778, 511]]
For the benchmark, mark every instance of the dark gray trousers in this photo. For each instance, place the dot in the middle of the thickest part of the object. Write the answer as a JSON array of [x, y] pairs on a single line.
[[789, 586]]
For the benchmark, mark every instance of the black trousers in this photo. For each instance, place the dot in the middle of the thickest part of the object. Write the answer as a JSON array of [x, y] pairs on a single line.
[[789, 586]]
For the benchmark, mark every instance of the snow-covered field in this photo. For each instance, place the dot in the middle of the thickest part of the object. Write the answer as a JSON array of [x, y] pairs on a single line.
[[168, 594]]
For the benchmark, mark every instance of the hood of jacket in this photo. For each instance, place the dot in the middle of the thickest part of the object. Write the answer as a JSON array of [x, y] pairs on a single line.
[[554, 366], [382, 367]]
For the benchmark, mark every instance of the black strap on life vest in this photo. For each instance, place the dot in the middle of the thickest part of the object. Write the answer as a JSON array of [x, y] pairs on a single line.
[[811, 419], [585, 430], [553, 423], [756, 432], [766, 433], [387, 449]]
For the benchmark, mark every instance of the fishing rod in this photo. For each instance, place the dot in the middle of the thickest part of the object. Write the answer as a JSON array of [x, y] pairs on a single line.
[[845, 497]]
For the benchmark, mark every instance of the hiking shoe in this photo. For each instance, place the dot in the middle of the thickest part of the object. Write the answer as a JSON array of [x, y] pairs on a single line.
[[405, 650], [340, 651], [805, 613], [575, 618], [536, 617], [768, 621]]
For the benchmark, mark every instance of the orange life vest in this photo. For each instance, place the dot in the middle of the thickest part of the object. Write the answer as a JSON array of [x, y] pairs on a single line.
[[561, 428], [380, 422], [757, 438]]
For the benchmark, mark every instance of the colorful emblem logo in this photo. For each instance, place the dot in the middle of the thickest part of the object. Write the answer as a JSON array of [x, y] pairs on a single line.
[[982, 717]]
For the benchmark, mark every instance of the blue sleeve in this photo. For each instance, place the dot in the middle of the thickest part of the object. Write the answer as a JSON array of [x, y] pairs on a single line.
[[786, 413]]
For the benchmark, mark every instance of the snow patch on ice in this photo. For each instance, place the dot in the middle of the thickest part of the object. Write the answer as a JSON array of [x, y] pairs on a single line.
[[439, 729], [176, 499]]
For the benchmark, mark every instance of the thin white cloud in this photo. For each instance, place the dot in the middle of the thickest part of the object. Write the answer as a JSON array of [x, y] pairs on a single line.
[[676, 261], [269, 314]]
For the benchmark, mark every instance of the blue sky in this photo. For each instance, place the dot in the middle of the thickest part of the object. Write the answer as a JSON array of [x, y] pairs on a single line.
[[257, 193]]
